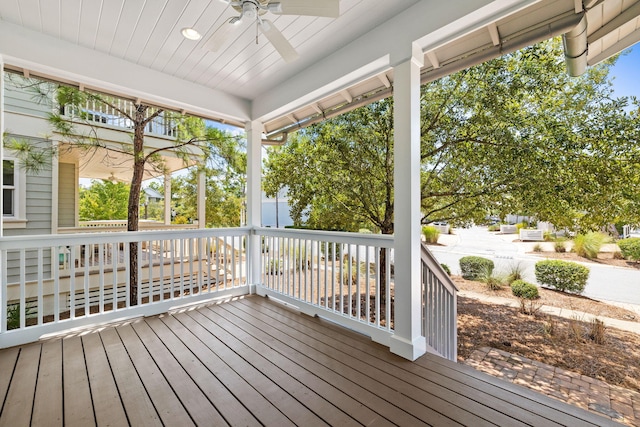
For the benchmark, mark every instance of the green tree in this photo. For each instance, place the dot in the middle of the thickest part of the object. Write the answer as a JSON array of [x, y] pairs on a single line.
[[515, 134], [103, 200], [74, 116], [225, 179]]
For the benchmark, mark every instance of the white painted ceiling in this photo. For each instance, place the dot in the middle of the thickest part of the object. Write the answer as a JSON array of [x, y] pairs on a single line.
[[135, 48]]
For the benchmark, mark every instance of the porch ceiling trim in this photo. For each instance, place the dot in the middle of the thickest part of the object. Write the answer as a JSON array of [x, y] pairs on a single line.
[[52, 58], [472, 39]]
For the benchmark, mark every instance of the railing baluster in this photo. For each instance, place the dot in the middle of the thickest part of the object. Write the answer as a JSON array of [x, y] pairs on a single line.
[[3, 291], [40, 286]]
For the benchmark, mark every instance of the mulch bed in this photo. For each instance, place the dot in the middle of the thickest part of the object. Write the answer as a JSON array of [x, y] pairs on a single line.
[[561, 342]]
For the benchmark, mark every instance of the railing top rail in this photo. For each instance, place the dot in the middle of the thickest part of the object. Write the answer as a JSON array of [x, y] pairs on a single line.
[[436, 268], [380, 240], [48, 240]]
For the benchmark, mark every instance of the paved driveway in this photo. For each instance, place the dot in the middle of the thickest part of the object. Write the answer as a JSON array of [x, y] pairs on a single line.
[[605, 283]]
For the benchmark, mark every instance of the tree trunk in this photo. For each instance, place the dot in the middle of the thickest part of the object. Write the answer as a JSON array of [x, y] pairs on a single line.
[[133, 212], [383, 266]]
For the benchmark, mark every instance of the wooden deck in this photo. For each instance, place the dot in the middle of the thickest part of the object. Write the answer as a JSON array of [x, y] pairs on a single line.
[[252, 362]]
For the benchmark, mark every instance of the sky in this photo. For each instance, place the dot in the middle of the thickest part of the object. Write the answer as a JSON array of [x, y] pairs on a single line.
[[626, 72]]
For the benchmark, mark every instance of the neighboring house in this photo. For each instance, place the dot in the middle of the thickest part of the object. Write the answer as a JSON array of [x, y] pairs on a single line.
[[152, 195], [275, 211], [43, 203]]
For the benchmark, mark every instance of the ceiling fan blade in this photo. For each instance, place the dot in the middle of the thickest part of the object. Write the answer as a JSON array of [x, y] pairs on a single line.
[[221, 35], [278, 41], [327, 8]]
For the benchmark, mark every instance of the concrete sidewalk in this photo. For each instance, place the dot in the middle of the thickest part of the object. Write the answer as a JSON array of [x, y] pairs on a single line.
[[561, 312]]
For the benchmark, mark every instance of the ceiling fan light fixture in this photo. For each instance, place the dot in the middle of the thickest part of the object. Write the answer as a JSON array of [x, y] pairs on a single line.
[[249, 10], [191, 34]]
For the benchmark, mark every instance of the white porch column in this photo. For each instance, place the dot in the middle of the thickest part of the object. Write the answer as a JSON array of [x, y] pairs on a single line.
[[167, 199], [407, 340], [202, 195], [254, 195], [1, 145]]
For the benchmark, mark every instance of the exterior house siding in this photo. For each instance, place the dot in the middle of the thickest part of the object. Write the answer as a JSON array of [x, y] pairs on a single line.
[[38, 215], [67, 190], [18, 98]]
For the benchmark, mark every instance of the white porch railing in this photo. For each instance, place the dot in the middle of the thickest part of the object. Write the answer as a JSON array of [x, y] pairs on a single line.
[[440, 307], [100, 113], [55, 283], [340, 276]]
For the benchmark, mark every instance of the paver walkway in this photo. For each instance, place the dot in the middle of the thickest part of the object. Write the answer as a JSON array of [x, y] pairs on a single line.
[[615, 402]]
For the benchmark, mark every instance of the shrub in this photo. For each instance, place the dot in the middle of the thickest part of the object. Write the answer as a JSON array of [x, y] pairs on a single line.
[[516, 272], [524, 290], [537, 247], [618, 255], [494, 227], [560, 247], [446, 269], [493, 281], [597, 331], [474, 267], [521, 225], [588, 245], [565, 276], [630, 248], [275, 267], [430, 234]]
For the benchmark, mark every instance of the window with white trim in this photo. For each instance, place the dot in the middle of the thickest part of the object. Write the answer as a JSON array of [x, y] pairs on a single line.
[[9, 187]]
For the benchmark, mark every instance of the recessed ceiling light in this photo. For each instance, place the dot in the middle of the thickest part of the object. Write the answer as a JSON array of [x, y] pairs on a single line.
[[191, 34]]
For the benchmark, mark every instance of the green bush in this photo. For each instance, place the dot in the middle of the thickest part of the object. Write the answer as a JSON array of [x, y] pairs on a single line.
[[431, 234], [565, 276], [588, 245], [630, 248], [524, 290], [474, 267], [446, 269], [494, 227]]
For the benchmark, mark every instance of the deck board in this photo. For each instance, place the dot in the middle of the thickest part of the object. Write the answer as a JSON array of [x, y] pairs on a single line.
[[192, 398], [107, 405], [78, 407], [167, 404], [253, 362], [137, 404], [401, 412], [315, 393], [203, 369], [7, 365], [19, 400], [431, 396], [47, 404]]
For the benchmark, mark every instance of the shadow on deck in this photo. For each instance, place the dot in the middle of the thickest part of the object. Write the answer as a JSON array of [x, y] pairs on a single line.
[[252, 362]]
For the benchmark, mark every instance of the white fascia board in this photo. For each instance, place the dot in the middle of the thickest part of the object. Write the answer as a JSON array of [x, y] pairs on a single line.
[[427, 23], [57, 58]]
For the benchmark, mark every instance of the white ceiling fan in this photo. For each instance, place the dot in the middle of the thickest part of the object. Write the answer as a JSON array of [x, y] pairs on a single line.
[[253, 11]]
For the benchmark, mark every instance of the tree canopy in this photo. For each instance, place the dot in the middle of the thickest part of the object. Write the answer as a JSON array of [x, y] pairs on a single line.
[[513, 135], [103, 200]]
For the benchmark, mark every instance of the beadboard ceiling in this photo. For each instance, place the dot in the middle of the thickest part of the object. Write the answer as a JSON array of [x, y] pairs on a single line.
[[135, 48]]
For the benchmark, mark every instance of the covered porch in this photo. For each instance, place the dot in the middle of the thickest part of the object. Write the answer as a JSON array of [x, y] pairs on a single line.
[[389, 289], [252, 361]]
